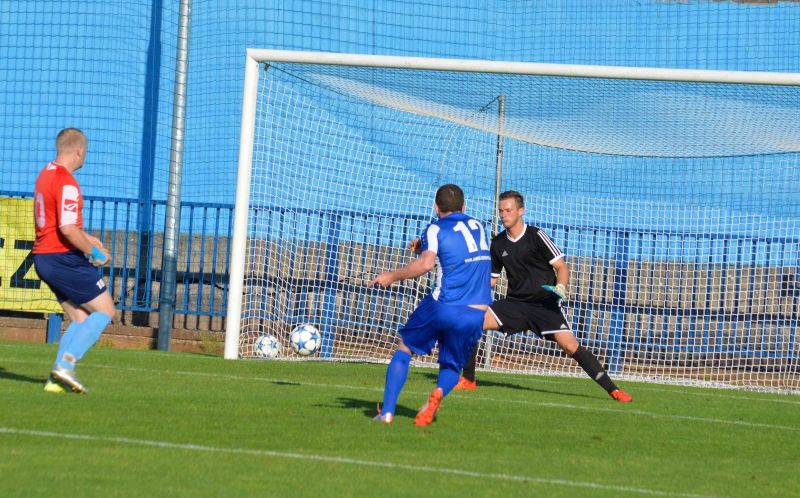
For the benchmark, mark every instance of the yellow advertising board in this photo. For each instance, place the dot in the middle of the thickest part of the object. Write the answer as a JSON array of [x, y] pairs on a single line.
[[20, 287]]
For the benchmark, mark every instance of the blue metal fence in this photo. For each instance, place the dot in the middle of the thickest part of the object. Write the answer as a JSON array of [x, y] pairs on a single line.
[[684, 310], [135, 269], [708, 298]]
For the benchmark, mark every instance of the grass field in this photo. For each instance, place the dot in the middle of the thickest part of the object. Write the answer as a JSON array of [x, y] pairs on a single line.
[[170, 424]]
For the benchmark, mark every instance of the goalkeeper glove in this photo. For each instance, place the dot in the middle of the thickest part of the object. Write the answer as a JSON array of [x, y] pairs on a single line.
[[558, 289]]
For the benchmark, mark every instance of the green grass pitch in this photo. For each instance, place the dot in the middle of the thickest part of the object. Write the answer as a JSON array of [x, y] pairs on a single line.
[[170, 424]]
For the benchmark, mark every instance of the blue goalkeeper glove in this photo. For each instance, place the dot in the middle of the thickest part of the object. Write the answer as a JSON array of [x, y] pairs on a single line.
[[558, 289]]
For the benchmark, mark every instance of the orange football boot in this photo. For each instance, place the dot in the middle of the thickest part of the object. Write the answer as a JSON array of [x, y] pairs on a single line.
[[427, 413]]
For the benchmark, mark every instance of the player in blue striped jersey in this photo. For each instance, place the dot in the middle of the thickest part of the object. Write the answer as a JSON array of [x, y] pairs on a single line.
[[453, 313]]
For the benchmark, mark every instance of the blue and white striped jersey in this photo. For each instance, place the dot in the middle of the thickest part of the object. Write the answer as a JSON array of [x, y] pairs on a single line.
[[464, 263]]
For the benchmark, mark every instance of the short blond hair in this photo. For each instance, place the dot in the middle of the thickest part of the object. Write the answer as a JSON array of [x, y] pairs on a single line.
[[69, 139], [513, 194]]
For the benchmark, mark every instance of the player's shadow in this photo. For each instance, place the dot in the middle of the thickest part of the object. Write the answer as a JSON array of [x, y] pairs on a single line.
[[5, 374], [368, 407], [485, 383], [508, 385], [286, 383]]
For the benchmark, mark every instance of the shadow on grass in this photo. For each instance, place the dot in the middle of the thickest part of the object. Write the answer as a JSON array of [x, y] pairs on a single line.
[[369, 407], [485, 383], [286, 383], [508, 385], [5, 374]]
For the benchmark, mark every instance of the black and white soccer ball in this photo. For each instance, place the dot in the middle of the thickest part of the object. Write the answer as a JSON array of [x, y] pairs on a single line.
[[305, 339], [267, 346]]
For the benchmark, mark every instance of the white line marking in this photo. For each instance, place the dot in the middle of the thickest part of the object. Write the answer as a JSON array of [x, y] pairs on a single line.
[[541, 379], [711, 394], [543, 404], [698, 391], [343, 460], [629, 411]]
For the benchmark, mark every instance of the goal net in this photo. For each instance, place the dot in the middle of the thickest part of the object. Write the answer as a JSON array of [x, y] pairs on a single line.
[[673, 194]]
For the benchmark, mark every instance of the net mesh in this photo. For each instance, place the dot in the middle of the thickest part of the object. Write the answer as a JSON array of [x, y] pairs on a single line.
[[676, 204]]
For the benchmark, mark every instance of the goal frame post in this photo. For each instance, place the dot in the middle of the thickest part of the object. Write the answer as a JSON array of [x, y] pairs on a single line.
[[255, 57]]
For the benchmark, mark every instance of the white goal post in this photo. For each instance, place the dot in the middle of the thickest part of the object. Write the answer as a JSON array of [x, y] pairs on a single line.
[[672, 192]]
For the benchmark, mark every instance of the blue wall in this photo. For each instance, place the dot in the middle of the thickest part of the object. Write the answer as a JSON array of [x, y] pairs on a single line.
[[107, 67]]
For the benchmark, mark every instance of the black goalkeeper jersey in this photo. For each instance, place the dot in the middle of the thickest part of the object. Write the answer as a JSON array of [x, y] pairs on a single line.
[[527, 261]]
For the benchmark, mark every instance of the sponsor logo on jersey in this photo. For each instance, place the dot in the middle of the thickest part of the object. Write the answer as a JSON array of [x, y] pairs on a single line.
[[504, 254], [70, 200]]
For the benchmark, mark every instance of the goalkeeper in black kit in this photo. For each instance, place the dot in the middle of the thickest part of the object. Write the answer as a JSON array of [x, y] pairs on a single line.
[[538, 278]]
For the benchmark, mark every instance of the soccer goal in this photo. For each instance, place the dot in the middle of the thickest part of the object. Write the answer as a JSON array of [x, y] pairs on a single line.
[[675, 195]]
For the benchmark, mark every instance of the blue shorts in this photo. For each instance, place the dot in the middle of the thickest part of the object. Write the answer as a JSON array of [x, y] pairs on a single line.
[[455, 327], [70, 276]]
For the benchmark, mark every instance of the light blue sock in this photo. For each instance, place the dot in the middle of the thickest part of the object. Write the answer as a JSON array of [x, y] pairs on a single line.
[[396, 374], [88, 334], [63, 344], [448, 378]]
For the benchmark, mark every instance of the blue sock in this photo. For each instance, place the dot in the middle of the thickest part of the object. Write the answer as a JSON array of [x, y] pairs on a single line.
[[88, 334], [63, 344], [448, 378], [396, 374]]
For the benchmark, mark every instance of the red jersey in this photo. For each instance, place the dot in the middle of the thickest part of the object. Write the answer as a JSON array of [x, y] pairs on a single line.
[[57, 202]]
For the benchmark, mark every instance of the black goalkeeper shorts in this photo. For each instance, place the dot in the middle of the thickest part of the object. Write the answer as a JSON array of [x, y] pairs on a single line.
[[543, 318]]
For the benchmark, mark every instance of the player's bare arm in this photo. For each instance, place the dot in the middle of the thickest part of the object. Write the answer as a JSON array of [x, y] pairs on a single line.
[[83, 241], [97, 243], [562, 279], [419, 266], [562, 272], [94, 240]]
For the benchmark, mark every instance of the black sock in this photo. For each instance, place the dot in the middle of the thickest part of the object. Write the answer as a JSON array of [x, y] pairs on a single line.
[[593, 368], [469, 368]]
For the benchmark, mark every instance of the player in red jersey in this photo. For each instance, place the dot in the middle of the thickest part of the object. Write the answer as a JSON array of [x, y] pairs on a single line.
[[60, 257]]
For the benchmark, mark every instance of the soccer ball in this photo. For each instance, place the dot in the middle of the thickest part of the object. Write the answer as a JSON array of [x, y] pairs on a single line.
[[305, 339], [267, 346]]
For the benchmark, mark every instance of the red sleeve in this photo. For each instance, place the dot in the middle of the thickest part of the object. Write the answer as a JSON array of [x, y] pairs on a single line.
[[68, 199]]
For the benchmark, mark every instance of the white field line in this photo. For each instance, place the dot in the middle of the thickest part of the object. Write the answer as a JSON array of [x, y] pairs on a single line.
[[723, 396], [344, 461], [791, 399], [625, 411], [663, 388]]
